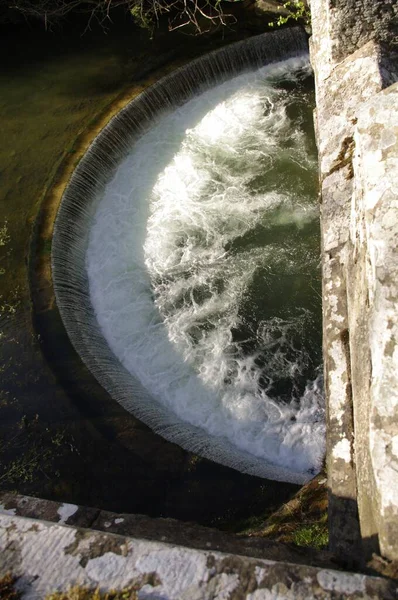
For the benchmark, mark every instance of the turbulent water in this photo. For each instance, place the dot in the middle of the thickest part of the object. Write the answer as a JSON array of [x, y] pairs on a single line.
[[203, 265]]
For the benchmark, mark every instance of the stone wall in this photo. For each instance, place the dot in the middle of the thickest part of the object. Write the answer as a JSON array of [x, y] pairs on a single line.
[[165, 530], [372, 303], [355, 64], [353, 23], [47, 557]]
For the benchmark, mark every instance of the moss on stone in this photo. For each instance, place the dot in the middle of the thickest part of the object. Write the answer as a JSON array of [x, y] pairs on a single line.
[[302, 521], [315, 535], [83, 593]]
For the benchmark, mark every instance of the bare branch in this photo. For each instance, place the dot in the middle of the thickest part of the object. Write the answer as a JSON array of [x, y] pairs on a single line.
[[193, 13]]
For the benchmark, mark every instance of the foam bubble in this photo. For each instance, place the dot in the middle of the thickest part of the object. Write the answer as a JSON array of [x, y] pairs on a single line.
[[187, 252]]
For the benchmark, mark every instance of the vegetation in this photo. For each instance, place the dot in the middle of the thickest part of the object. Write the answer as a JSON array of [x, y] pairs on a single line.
[[7, 589], [29, 450], [4, 236], [302, 521], [9, 592], [82, 593], [200, 15], [4, 240], [296, 10], [315, 535]]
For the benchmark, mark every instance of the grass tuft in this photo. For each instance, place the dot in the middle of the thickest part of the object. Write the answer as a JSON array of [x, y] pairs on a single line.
[[302, 521], [315, 535]]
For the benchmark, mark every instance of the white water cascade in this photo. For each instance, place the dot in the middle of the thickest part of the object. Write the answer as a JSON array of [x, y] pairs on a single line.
[[195, 254]]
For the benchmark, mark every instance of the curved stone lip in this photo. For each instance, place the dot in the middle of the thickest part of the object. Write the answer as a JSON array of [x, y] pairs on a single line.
[[77, 208]]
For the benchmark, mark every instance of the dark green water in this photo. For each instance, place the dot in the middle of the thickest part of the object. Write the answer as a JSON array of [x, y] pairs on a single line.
[[62, 437]]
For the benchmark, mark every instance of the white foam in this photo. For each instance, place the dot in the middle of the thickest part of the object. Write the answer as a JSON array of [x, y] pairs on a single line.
[[167, 289]]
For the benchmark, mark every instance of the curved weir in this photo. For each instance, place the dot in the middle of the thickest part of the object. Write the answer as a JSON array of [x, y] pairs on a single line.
[[185, 260]]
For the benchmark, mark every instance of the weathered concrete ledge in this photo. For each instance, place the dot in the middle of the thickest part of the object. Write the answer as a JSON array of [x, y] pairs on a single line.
[[165, 530], [48, 557], [355, 66]]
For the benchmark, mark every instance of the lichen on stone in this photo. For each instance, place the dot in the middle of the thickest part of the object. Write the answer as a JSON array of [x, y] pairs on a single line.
[[83, 593]]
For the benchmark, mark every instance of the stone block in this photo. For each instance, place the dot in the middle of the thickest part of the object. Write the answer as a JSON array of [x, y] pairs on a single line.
[[374, 314], [347, 25], [50, 557], [353, 62]]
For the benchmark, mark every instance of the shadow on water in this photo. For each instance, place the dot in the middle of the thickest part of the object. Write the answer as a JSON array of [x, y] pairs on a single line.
[[142, 472]]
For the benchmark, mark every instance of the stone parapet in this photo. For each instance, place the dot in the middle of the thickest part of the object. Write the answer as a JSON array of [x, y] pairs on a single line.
[[350, 24], [47, 557], [356, 121], [170, 531], [373, 314]]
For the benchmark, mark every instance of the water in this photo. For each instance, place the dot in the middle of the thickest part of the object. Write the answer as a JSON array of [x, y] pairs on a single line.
[[92, 452], [202, 263]]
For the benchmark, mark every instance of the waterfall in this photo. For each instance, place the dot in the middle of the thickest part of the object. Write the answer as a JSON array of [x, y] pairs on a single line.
[[164, 251]]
